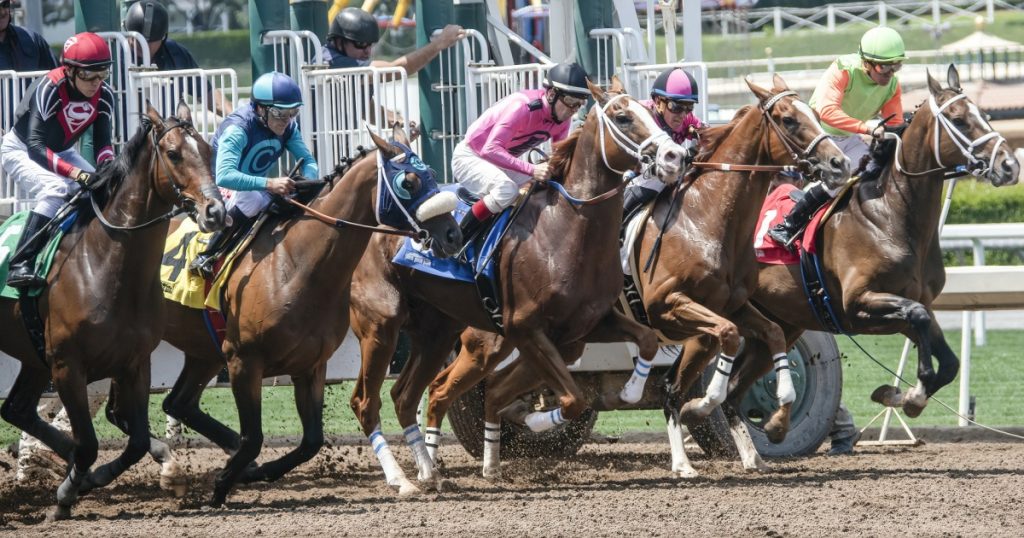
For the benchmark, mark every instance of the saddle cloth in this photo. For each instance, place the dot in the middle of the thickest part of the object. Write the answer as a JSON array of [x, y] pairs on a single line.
[[776, 205], [10, 233]]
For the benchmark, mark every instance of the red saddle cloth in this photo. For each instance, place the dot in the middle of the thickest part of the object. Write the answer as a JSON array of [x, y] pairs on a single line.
[[776, 206]]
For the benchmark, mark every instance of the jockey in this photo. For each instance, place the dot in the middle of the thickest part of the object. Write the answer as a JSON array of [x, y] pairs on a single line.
[[39, 151], [246, 147], [488, 163], [855, 89], [673, 96], [354, 32]]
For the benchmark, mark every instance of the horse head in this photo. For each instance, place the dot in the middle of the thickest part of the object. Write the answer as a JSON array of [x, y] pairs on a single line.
[[961, 135], [796, 134], [182, 168], [408, 197], [634, 135]]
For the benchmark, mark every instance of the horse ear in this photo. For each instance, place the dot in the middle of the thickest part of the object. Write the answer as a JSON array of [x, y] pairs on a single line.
[[398, 133], [154, 117], [933, 85], [953, 78], [761, 93], [780, 84], [616, 86], [184, 113], [386, 149], [599, 95]]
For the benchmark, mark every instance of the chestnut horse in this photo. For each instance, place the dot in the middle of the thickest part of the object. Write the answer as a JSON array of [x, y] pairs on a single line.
[[557, 274], [702, 270], [103, 309], [286, 305], [881, 258]]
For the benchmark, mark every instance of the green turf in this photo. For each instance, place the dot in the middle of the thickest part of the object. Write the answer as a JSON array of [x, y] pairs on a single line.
[[995, 373]]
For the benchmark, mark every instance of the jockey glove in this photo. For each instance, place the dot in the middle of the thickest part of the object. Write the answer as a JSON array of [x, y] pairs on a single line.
[[83, 178]]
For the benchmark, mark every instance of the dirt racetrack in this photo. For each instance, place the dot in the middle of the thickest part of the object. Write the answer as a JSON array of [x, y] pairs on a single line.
[[971, 488]]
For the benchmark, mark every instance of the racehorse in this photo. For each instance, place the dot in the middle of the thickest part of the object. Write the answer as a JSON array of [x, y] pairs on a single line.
[[557, 274], [286, 306], [102, 309], [695, 268], [880, 254]]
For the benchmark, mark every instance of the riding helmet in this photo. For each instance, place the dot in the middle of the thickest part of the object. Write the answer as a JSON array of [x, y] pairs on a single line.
[[676, 85], [356, 25], [568, 78], [277, 90], [86, 50], [882, 45], [148, 18]]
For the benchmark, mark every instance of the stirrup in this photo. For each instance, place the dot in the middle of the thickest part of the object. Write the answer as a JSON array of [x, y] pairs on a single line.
[[202, 266], [27, 280]]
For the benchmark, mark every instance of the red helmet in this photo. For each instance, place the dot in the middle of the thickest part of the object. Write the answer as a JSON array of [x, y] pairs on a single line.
[[86, 50]]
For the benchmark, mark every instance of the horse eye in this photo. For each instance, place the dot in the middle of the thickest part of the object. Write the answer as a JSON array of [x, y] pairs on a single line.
[[174, 155], [959, 123], [622, 118], [788, 121]]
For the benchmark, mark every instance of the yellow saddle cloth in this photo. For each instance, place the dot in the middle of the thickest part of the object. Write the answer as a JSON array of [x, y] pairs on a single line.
[[181, 285]]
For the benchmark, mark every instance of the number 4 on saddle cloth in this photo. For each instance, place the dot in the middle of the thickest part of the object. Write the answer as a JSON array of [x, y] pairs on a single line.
[[806, 251], [479, 262]]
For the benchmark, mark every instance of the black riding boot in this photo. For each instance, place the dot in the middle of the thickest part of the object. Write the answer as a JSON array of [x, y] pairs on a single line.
[[633, 198], [786, 231], [471, 226], [22, 272], [220, 243]]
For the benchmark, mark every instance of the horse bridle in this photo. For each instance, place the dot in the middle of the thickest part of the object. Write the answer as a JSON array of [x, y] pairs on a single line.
[[966, 146], [183, 204]]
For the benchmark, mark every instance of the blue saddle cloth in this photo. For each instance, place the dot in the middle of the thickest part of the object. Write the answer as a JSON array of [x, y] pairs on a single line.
[[479, 259]]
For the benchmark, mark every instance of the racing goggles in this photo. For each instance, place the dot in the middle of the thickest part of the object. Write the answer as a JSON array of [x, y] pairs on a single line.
[[678, 107], [573, 102], [887, 69], [92, 76], [361, 45], [283, 113]]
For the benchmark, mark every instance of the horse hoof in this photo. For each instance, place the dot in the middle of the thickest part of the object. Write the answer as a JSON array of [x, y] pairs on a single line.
[[445, 485], [776, 434], [887, 395], [686, 472], [58, 513], [492, 474], [408, 489], [912, 409]]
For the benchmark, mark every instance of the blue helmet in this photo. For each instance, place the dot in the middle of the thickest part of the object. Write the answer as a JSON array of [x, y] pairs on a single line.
[[276, 90]]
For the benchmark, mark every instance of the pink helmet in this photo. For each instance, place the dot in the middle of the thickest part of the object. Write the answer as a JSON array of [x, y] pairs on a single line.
[[676, 85]]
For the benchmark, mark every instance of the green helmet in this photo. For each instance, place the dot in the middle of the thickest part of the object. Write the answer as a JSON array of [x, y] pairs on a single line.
[[882, 45]]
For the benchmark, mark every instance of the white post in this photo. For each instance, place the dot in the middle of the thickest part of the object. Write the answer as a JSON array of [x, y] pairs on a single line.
[[965, 367], [777, 15], [692, 50], [652, 30], [830, 15], [936, 13], [990, 10], [882, 14], [979, 316]]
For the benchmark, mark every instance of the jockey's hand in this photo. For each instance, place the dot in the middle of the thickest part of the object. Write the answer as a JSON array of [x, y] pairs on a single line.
[[282, 186], [449, 35], [81, 176], [541, 172]]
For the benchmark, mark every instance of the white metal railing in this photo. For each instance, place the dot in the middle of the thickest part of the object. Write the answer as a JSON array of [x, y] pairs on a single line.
[[13, 86], [457, 111], [209, 94]]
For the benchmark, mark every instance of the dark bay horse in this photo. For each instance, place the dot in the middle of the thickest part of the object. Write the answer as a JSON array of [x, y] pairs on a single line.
[[881, 257], [702, 271], [287, 307], [103, 309], [558, 276]]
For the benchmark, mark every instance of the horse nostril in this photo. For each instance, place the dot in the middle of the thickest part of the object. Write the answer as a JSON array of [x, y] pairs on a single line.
[[838, 162]]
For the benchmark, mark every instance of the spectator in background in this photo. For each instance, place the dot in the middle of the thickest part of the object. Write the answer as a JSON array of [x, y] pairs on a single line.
[[353, 33], [22, 49], [150, 19]]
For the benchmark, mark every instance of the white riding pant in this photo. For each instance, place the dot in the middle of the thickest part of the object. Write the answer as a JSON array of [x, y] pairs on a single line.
[[499, 186], [855, 148], [249, 202], [49, 190]]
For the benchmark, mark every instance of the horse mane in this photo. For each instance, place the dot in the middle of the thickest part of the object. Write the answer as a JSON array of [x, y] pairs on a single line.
[[712, 137], [561, 157], [110, 176]]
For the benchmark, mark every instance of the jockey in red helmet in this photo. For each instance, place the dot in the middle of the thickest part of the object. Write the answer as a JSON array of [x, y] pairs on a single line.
[[39, 153]]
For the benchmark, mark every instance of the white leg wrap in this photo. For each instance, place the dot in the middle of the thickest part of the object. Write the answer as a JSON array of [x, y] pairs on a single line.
[[748, 454], [785, 391], [917, 395], [492, 450], [433, 440], [392, 472], [424, 463], [680, 463], [542, 421], [634, 388], [719, 385]]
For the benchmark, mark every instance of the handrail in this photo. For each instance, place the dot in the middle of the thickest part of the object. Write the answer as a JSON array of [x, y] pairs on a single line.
[[522, 43]]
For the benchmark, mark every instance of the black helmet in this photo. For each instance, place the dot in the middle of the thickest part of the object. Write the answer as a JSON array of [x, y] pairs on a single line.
[[356, 25], [148, 18], [568, 78]]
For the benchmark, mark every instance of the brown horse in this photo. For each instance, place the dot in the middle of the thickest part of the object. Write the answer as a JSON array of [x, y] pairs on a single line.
[[557, 274], [103, 309], [881, 258], [286, 305], [702, 270]]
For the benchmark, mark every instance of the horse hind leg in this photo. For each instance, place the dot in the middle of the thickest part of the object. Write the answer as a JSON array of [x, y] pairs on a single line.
[[182, 403], [765, 339]]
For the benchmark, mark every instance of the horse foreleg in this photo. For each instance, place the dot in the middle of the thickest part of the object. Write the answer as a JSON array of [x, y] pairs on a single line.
[[20, 409], [309, 400], [504, 387], [71, 386], [128, 409], [616, 327], [756, 326], [182, 402], [749, 457], [247, 386], [549, 361], [696, 354]]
